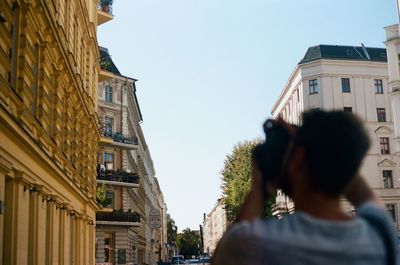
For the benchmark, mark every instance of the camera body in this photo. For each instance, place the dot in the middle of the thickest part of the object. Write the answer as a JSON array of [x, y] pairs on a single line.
[[270, 154]]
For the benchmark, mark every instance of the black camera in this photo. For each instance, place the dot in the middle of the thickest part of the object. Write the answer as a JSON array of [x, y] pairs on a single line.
[[269, 155]]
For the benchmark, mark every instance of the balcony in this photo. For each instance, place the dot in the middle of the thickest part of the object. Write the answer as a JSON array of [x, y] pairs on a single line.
[[119, 218], [108, 137], [117, 178], [104, 11]]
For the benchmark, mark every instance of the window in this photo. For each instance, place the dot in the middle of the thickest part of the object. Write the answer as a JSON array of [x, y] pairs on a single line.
[[313, 86], [108, 126], [391, 208], [385, 149], [108, 157], [387, 179], [110, 199], [108, 94], [378, 86], [381, 113], [108, 161], [109, 247], [345, 85], [348, 109], [298, 95]]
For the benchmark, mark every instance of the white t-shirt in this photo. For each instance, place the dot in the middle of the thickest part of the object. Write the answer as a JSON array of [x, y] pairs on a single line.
[[302, 239]]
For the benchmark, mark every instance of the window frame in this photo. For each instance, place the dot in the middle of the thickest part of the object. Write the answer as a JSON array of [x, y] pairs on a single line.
[[381, 114], [393, 213], [313, 86], [107, 154], [109, 126], [384, 145], [346, 87], [387, 177], [378, 84], [108, 93], [348, 109]]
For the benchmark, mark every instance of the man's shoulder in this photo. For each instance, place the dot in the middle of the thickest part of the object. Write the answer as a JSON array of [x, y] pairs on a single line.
[[259, 229]]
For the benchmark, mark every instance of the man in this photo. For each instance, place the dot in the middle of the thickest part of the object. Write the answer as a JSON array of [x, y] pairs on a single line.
[[320, 166]]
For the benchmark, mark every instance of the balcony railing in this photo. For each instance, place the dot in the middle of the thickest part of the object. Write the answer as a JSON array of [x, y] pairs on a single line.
[[117, 176], [106, 130], [118, 216], [105, 6]]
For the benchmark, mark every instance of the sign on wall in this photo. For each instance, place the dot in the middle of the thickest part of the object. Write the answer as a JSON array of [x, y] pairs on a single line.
[[155, 219]]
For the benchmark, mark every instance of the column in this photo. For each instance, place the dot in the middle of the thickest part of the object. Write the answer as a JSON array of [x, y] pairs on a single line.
[[5, 168], [16, 222]]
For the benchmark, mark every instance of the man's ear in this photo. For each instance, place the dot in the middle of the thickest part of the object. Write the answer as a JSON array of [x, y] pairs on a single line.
[[298, 160]]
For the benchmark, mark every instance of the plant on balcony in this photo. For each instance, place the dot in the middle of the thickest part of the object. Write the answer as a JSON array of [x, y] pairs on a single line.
[[105, 63], [106, 5], [102, 197], [118, 137]]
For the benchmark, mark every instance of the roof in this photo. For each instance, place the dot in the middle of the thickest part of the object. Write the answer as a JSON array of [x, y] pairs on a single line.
[[336, 52], [106, 63]]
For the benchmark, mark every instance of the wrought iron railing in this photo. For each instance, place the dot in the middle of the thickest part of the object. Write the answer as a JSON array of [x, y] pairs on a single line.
[[118, 176], [118, 216], [106, 130], [105, 6]]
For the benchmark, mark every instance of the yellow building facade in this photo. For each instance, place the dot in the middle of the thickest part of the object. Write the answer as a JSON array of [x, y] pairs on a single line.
[[48, 131]]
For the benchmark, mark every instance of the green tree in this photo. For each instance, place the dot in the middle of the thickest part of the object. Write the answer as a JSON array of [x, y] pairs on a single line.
[[171, 229], [237, 177], [188, 243]]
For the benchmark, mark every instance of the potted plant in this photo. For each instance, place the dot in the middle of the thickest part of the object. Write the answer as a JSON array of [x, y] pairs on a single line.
[[106, 5]]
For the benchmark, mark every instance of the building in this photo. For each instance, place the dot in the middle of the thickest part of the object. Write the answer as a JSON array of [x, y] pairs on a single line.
[[214, 226], [160, 234], [393, 51], [49, 131], [354, 79], [118, 223], [126, 175]]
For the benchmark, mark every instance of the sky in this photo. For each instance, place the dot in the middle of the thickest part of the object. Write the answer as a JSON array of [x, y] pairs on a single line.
[[209, 72]]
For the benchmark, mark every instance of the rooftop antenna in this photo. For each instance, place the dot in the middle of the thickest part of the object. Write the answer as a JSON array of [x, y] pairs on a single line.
[[365, 50]]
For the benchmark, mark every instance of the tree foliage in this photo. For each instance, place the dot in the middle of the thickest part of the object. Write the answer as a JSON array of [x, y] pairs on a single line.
[[236, 179], [188, 243], [171, 229]]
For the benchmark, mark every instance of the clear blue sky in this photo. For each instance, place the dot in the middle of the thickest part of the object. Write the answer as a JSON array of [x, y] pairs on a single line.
[[210, 70]]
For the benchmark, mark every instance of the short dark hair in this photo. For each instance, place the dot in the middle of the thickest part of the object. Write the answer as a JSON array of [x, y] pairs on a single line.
[[335, 143]]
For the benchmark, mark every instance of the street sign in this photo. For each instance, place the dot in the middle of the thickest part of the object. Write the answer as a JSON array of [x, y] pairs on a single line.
[[155, 219]]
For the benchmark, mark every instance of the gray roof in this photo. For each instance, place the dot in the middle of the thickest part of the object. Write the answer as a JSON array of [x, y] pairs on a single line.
[[336, 52]]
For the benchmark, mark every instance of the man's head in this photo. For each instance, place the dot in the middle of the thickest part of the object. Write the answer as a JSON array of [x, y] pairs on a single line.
[[327, 152]]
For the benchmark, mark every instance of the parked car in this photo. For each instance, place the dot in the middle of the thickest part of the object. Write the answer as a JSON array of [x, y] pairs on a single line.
[[205, 261], [178, 260]]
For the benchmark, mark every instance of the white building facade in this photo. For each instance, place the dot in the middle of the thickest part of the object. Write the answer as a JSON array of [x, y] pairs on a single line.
[[353, 79], [214, 227]]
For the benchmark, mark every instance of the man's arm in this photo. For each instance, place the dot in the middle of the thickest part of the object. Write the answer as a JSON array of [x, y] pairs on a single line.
[[359, 192], [256, 199]]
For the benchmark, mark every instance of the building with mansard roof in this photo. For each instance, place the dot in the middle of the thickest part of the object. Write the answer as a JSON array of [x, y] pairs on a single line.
[[353, 79], [125, 174]]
